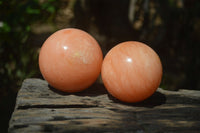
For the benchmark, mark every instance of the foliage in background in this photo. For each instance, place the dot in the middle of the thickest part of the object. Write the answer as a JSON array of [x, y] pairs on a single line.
[[171, 27], [18, 58]]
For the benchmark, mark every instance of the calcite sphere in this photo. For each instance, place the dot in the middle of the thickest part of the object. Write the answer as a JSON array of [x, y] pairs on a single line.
[[131, 71], [70, 60]]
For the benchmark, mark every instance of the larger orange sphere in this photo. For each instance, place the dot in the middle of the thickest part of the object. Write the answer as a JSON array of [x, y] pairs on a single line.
[[70, 60], [131, 71]]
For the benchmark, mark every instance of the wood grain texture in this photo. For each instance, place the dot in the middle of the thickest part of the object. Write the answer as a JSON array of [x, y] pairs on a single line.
[[40, 108]]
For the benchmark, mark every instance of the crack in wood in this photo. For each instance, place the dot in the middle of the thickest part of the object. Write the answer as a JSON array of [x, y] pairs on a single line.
[[20, 126], [56, 106], [61, 118]]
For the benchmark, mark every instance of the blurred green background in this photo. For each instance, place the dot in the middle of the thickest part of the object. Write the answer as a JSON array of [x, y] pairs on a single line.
[[170, 27]]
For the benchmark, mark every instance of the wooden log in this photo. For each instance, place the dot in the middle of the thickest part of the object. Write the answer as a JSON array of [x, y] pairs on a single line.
[[40, 108]]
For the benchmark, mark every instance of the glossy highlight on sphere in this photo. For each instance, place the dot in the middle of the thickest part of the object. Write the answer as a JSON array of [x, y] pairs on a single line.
[[131, 71], [70, 60]]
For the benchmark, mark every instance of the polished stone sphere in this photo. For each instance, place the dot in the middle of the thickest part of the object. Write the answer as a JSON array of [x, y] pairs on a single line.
[[131, 71], [70, 60]]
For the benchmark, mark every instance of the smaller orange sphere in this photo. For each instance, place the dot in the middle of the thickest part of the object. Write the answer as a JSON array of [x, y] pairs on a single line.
[[70, 60], [131, 71]]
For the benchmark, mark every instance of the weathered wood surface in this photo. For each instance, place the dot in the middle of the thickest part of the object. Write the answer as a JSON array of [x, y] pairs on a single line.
[[40, 108]]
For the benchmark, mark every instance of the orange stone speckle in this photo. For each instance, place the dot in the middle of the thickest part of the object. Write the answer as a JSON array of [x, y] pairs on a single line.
[[70, 60], [131, 71]]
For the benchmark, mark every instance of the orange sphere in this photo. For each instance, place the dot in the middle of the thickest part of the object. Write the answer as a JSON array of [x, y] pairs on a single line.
[[131, 71], [70, 60]]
